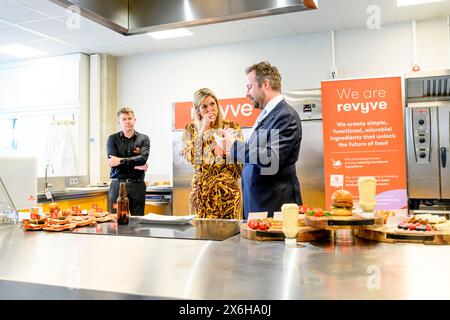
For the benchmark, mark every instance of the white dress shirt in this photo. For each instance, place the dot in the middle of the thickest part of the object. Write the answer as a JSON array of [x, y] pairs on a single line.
[[267, 109]]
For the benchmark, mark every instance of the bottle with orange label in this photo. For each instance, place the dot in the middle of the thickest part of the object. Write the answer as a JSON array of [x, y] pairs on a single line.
[[123, 205]]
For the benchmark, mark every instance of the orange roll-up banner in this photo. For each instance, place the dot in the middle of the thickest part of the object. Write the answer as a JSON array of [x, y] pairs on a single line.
[[364, 136], [239, 110]]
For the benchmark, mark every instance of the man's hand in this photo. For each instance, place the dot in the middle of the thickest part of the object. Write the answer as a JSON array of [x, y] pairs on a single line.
[[114, 161], [143, 167], [225, 138], [218, 151]]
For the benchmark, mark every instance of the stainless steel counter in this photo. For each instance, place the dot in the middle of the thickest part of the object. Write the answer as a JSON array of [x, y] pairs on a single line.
[[74, 193], [66, 265], [84, 192]]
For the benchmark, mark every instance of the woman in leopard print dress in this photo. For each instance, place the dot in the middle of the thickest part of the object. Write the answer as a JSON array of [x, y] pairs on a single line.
[[216, 191]]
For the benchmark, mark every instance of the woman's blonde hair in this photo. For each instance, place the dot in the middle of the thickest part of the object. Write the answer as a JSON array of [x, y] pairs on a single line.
[[199, 96]]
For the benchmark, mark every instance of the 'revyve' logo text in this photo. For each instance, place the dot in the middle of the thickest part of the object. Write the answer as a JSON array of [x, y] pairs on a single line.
[[235, 111], [364, 107]]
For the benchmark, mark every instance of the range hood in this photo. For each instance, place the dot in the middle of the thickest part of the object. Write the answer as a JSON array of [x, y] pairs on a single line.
[[131, 17]]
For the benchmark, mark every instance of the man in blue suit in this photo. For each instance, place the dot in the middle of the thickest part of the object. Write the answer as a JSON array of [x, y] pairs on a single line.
[[269, 177]]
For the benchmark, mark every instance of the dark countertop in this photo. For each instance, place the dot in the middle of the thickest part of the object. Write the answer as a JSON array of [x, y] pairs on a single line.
[[197, 229]]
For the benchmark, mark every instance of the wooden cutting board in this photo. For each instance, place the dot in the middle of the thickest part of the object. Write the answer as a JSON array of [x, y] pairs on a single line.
[[393, 235], [343, 222], [305, 234]]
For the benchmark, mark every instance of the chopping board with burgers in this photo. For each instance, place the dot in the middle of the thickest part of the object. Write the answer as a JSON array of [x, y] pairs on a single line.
[[342, 214], [420, 228], [270, 229]]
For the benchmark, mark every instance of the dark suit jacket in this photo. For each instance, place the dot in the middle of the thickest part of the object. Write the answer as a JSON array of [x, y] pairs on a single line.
[[269, 177]]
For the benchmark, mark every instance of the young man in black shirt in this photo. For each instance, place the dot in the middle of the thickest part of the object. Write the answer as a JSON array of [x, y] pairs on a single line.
[[128, 152]]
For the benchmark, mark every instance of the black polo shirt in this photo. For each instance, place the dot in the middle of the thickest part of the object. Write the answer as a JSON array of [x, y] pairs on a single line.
[[134, 150]]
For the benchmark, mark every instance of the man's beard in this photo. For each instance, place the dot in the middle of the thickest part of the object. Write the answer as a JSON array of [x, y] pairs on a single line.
[[256, 104]]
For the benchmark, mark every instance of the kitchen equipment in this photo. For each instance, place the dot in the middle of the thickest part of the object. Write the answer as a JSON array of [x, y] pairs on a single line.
[[19, 174], [158, 200], [130, 17], [309, 165], [427, 119], [8, 212], [310, 172]]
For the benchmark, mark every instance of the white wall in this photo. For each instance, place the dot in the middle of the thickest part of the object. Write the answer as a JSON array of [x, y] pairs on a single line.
[[151, 83]]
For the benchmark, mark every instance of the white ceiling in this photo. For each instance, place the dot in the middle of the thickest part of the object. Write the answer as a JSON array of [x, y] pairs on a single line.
[[43, 25]]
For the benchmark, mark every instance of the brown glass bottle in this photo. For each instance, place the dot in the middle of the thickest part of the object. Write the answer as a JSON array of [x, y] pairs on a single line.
[[123, 205]]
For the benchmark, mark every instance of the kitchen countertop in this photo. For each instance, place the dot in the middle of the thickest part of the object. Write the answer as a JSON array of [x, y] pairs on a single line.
[[162, 189], [200, 229], [83, 192], [74, 193], [77, 266]]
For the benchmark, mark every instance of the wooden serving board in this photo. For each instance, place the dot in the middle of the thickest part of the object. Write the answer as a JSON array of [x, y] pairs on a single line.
[[393, 235], [343, 222], [305, 234]]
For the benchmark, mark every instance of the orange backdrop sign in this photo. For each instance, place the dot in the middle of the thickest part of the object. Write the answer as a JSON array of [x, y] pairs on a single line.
[[363, 136], [239, 110]]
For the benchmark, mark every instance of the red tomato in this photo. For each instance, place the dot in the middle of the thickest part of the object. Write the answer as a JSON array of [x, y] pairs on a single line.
[[94, 206], [253, 224], [304, 209], [318, 212], [99, 210], [263, 226]]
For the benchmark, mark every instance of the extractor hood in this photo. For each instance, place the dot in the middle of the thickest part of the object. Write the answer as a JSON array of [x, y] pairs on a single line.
[[140, 16]]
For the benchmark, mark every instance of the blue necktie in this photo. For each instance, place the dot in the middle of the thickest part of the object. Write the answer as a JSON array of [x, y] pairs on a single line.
[[258, 120]]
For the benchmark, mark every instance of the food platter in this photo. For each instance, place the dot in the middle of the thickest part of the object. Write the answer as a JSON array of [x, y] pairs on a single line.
[[422, 228], [393, 235], [355, 221], [60, 227], [305, 234], [64, 223], [275, 232]]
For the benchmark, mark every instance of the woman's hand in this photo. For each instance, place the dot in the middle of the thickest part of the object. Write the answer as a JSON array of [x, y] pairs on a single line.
[[225, 138], [207, 122]]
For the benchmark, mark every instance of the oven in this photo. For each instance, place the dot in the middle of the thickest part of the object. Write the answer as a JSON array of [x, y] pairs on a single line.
[[427, 123]]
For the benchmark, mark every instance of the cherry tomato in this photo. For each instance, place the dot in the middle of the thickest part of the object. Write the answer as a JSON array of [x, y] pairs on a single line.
[[304, 209], [318, 212], [253, 224], [263, 226]]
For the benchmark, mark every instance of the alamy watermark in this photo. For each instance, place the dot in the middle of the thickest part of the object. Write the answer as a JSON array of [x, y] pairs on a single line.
[[374, 280], [262, 150], [373, 22], [74, 20]]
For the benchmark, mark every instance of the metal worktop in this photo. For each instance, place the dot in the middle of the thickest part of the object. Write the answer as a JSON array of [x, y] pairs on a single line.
[[65, 265], [198, 229], [72, 193]]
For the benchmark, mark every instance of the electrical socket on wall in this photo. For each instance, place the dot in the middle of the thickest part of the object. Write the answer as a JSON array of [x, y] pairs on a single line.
[[73, 181]]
